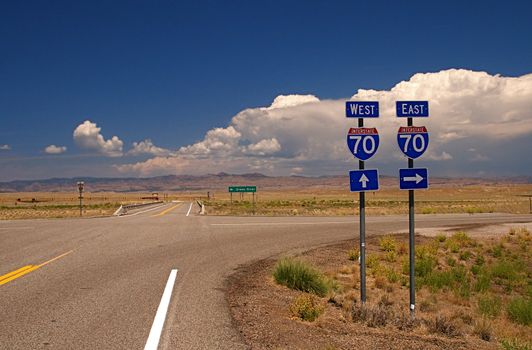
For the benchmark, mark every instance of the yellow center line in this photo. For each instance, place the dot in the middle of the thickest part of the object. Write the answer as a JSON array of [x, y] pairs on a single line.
[[53, 259], [16, 272], [27, 269], [167, 210]]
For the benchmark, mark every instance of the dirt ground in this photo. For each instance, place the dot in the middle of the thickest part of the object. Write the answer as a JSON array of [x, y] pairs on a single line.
[[260, 311]]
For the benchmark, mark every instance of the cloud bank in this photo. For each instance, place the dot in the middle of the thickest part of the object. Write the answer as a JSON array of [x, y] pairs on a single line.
[[474, 117], [87, 136]]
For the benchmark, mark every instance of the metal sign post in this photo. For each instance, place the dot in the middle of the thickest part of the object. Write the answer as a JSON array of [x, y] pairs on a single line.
[[413, 142], [81, 184], [363, 144]]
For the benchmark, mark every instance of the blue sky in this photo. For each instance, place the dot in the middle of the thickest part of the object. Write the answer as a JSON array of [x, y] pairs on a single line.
[[171, 71]]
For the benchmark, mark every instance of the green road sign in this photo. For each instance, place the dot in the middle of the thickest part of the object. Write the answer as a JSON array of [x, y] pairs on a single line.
[[242, 189]]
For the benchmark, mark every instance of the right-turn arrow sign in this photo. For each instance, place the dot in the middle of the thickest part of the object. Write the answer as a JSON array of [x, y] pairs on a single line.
[[413, 179]]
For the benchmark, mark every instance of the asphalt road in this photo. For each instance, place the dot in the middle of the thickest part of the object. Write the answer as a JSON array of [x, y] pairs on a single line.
[[98, 283]]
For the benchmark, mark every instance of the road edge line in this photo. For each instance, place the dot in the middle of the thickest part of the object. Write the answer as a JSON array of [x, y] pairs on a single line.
[[189, 209], [158, 322], [141, 212]]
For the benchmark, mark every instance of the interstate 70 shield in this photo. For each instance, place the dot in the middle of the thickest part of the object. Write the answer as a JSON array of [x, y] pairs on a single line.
[[413, 140], [363, 142]]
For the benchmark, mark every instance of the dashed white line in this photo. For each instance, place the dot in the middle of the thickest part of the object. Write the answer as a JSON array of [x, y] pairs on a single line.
[[157, 328], [189, 209]]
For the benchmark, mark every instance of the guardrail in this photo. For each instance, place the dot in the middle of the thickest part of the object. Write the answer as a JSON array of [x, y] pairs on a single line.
[[124, 208], [202, 206]]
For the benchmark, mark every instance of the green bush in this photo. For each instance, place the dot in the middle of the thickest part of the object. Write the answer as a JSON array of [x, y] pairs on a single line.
[[424, 266], [475, 269], [520, 311], [497, 250], [463, 239], [392, 276], [482, 284], [459, 273], [353, 254], [450, 261], [441, 238], [390, 256], [489, 305], [438, 280], [479, 260], [307, 307], [296, 274], [465, 255], [515, 344], [372, 261], [452, 246], [388, 244]]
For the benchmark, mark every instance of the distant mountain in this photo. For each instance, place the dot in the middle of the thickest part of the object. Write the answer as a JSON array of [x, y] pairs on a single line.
[[221, 181]]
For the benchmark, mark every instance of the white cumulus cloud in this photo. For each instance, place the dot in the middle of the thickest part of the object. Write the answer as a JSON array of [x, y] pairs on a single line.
[[87, 136], [147, 147], [263, 147], [53, 149], [5, 147], [468, 110], [218, 141]]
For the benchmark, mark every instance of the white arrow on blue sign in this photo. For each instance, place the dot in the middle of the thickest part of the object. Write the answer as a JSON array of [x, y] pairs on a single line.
[[362, 109], [363, 142], [364, 180], [413, 178], [413, 140], [412, 108]]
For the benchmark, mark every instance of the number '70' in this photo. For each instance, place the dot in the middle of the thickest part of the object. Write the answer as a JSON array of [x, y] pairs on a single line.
[[368, 143], [418, 142]]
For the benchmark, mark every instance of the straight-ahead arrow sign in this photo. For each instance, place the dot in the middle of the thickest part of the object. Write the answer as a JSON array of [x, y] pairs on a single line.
[[364, 180]]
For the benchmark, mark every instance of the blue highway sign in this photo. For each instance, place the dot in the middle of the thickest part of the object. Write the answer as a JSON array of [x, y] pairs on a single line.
[[413, 179], [363, 142], [413, 140], [412, 108], [364, 180], [357, 109]]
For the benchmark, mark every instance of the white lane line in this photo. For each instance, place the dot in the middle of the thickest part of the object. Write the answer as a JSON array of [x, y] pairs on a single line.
[[286, 223], [140, 212], [158, 322], [17, 228], [189, 209]]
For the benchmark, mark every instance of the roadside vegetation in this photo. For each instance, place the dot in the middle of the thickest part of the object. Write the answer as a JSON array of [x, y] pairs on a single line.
[[466, 200], [465, 287], [62, 204]]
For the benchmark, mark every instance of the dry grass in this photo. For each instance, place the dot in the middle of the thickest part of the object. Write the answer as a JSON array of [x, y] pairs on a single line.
[[486, 296], [61, 204], [322, 202]]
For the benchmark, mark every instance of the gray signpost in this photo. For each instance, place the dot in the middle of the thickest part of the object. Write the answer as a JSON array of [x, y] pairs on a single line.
[[413, 142], [363, 144], [81, 185]]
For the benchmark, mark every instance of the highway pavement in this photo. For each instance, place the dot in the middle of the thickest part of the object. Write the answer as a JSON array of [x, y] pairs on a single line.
[[98, 283]]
